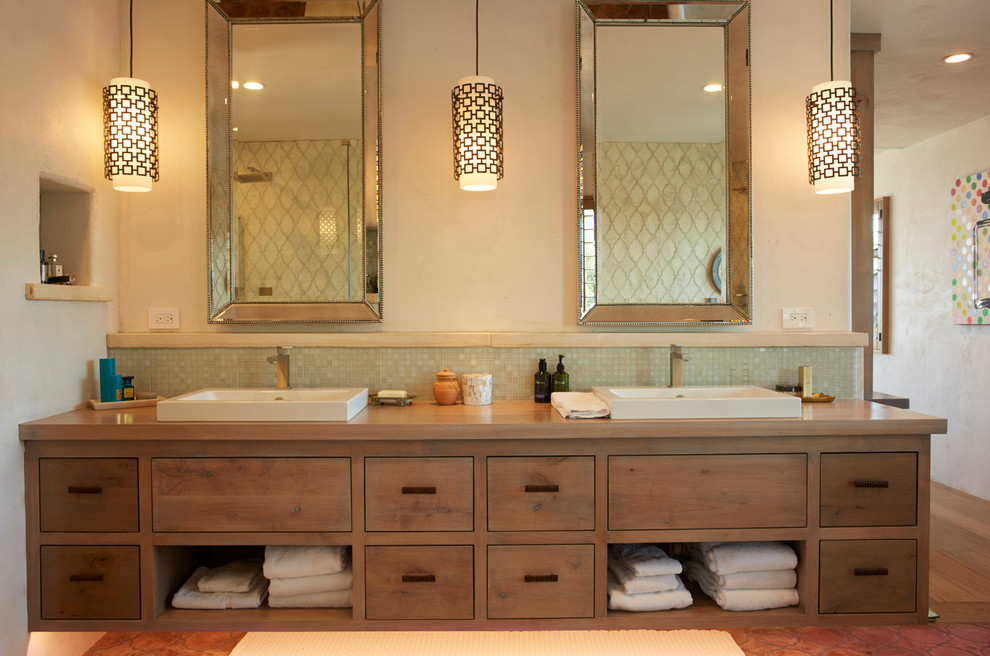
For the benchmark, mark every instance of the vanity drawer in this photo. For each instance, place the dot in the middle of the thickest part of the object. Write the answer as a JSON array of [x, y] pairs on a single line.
[[869, 489], [419, 583], [90, 583], [712, 491], [541, 581], [251, 494], [88, 494], [419, 494], [868, 576], [541, 494]]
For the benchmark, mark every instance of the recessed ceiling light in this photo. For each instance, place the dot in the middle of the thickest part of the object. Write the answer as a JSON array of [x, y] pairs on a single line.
[[714, 87], [254, 86], [958, 57]]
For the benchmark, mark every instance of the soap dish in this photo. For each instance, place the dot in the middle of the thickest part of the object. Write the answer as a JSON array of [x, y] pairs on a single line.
[[123, 405], [374, 399], [817, 397]]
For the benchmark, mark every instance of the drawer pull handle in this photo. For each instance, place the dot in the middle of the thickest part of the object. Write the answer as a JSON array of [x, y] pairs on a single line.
[[413, 489], [419, 578], [79, 578], [540, 578], [543, 488], [862, 483], [870, 571], [78, 489]]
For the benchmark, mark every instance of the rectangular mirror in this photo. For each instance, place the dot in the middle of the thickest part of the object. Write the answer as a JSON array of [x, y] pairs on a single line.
[[293, 145], [664, 162]]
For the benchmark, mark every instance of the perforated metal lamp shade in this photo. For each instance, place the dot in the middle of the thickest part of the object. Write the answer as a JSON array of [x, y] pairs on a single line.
[[477, 114], [833, 137], [130, 134]]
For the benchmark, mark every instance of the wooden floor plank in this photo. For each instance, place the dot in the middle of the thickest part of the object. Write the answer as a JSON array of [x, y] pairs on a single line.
[[959, 576]]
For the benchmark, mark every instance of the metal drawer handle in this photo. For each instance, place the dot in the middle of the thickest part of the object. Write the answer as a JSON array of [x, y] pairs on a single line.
[[543, 488], [78, 578], [540, 578], [412, 489], [862, 483], [419, 578], [78, 489], [870, 571]]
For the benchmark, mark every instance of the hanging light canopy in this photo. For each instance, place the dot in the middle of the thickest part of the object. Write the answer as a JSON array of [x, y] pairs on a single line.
[[833, 132], [130, 129], [477, 113]]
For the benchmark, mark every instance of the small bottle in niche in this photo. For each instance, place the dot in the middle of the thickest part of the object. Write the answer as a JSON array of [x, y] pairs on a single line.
[[127, 389], [44, 267], [561, 379], [542, 385]]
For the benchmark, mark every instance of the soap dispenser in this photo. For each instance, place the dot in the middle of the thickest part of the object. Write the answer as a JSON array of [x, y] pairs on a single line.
[[561, 380], [542, 385]]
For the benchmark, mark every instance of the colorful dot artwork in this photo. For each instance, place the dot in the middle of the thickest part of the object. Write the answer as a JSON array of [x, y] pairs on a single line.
[[970, 249]]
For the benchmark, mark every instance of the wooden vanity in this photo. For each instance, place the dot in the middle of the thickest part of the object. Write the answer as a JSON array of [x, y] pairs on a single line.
[[472, 517]]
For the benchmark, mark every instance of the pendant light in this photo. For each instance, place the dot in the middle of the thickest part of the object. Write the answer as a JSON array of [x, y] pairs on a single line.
[[833, 131], [130, 129], [477, 111]]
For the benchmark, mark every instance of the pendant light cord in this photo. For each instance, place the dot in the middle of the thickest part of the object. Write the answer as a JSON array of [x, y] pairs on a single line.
[[475, 36], [831, 44], [130, 38]]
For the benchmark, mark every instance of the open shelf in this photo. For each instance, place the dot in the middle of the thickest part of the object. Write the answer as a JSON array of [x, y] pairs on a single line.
[[35, 291]]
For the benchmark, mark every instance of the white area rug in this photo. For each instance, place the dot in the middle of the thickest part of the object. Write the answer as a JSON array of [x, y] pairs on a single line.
[[490, 643]]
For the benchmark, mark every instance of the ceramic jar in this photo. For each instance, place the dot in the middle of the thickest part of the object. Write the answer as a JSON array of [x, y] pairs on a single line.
[[445, 389]]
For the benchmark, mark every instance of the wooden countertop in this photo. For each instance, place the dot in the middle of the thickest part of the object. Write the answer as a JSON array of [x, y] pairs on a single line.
[[502, 420]]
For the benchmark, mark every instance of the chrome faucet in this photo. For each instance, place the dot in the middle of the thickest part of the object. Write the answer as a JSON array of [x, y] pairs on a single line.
[[281, 362], [677, 361]]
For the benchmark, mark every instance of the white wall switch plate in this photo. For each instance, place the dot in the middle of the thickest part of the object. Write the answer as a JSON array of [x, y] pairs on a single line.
[[797, 318], [163, 318]]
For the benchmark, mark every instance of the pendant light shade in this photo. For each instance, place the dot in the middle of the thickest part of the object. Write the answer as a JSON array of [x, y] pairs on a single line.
[[130, 134], [130, 128], [833, 137], [833, 133], [477, 108]]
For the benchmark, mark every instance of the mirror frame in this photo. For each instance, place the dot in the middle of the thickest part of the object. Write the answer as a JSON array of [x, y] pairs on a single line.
[[737, 282], [222, 308]]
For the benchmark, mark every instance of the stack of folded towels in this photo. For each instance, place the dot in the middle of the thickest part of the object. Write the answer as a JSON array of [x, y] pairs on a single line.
[[308, 576], [238, 584], [745, 575], [642, 577]]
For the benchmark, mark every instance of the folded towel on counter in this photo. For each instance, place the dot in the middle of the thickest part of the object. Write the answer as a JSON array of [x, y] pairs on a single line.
[[236, 576], [300, 585], [679, 597], [764, 580], [579, 405], [189, 595], [305, 560], [645, 559], [328, 599], [632, 584], [734, 557]]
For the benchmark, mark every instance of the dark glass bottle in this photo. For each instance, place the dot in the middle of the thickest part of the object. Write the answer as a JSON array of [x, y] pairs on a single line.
[[542, 384], [561, 379]]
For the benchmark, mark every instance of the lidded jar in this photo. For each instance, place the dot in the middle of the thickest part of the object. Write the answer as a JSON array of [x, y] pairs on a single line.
[[445, 389]]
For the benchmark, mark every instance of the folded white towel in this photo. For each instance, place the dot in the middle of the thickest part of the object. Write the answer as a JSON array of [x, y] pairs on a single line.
[[328, 599], [305, 560], [579, 405], [679, 597], [300, 585], [764, 580], [189, 595], [743, 600], [645, 559], [734, 557], [236, 576], [632, 584]]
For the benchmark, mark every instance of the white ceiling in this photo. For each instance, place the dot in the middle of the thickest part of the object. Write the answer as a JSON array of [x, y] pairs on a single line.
[[917, 96]]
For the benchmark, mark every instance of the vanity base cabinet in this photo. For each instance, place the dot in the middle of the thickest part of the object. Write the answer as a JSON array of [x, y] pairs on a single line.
[[468, 531]]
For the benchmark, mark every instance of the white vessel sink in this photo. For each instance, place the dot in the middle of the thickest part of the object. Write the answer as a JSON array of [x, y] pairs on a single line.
[[697, 402], [265, 405]]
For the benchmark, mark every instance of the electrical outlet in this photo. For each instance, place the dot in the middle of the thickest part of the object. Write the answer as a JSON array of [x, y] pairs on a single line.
[[797, 318], [163, 318]]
